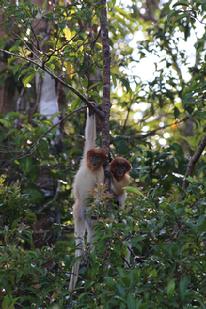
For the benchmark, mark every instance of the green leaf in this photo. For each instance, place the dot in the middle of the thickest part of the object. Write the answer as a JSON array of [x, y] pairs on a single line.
[[171, 287], [200, 115], [134, 190], [132, 303], [27, 79], [8, 302], [182, 2], [26, 165], [183, 287], [201, 223], [5, 123]]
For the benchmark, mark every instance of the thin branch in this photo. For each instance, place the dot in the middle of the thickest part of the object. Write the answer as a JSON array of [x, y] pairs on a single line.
[[44, 68], [6, 149], [192, 14], [50, 202], [56, 50], [193, 161], [96, 39], [175, 64], [36, 38], [153, 132], [35, 145], [126, 119]]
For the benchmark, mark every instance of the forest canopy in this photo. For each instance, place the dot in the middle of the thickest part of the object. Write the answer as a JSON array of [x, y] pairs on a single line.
[[141, 66]]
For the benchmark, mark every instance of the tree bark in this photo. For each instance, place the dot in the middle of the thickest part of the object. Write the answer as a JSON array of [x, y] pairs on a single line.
[[193, 160], [7, 90], [106, 104]]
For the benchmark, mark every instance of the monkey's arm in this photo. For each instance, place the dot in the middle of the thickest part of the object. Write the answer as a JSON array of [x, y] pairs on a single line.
[[90, 132]]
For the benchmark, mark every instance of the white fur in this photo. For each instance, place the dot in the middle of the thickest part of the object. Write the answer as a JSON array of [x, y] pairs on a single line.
[[84, 183]]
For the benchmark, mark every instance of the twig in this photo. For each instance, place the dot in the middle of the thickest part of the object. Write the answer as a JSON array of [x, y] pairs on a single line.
[[36, 38], [35, 145], [139, 135], [175, 62], [193, 14], [96, 39], [56, 50], [193, 161], [126, 119], [50, 202], [6, 149], [152, 132]]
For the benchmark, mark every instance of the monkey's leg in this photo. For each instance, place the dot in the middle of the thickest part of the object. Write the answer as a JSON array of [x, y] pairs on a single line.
[[90, 233], [79, 232]]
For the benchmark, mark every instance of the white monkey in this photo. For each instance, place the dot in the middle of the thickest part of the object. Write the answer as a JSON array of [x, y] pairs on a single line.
[[87, 178]]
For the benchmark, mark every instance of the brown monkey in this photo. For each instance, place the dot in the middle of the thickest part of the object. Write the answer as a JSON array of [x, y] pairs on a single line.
[[119, 168]]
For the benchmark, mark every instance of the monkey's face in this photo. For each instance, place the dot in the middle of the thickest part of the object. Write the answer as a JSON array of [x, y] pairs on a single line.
[[95, 158], [96, 161], [120, 171], [119, 167]]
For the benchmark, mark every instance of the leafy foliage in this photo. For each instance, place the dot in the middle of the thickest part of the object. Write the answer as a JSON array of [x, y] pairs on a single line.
[[164, 224]]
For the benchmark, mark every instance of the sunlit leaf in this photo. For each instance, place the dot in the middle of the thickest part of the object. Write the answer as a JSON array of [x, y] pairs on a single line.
[[68, 33]]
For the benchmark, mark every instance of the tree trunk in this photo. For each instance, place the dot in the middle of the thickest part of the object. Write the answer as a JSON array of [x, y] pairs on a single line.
[[193, 161], [7, 90], [106, 104]]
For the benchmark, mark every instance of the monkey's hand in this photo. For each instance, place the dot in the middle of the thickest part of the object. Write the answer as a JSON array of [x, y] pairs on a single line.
[[92, 108]]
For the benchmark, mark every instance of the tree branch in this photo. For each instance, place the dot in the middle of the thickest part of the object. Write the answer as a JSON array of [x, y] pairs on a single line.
[[126, 119], [193, 161], [175, 63], [35, 144], [40, 64], [153, 132], [140, 135]]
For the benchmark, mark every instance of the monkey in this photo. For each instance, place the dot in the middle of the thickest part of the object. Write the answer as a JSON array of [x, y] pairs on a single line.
[[119, 168], [87, 178]]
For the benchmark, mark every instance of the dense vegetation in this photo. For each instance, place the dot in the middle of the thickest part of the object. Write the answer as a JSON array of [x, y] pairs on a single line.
[[157, 122]]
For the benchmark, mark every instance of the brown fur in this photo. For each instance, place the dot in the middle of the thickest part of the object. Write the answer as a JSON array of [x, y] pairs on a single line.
[[116, 163], [99, 152], [120, 168], [118, 186]]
